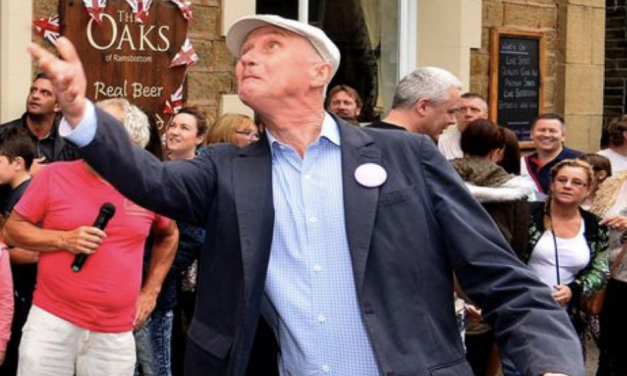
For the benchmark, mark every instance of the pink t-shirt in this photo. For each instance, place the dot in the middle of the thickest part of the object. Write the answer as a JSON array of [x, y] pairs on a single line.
[[102, 296]]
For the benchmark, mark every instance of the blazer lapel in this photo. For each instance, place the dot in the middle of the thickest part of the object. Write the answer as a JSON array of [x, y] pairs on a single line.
[[360, 203], [252, 181]]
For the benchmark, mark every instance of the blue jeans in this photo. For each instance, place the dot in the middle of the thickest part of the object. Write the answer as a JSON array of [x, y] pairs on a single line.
[[154, 345]]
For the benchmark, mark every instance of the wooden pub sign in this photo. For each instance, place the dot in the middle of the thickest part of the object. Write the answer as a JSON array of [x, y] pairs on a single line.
[[127, 57]]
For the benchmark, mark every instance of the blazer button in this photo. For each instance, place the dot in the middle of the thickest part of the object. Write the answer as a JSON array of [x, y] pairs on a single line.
[[368, 310]]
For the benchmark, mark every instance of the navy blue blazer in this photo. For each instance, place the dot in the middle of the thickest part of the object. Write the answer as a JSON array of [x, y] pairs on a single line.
[[406, 239]]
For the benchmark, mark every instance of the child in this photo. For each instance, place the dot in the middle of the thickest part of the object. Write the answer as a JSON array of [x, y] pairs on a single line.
[[17, 151], [6, 300]]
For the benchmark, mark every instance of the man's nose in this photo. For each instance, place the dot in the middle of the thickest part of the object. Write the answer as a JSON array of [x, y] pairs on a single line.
[[248, 58]]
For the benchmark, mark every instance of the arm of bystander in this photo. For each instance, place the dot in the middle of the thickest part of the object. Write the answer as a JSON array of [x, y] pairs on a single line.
[[19, 232], [163, 252]]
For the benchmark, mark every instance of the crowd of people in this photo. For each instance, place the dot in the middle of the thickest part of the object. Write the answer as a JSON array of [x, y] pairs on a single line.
[[420, 243]]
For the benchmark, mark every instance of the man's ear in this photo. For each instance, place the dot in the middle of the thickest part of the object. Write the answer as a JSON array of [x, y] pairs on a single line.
[[323, 72], [19, 164], [601, 175], [57, 108], [421, 106], [358, 111]]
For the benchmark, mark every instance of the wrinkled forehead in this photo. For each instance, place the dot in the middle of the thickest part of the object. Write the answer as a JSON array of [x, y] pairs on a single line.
[[272, 30], [474, 101], [345, 95], [42, 83]]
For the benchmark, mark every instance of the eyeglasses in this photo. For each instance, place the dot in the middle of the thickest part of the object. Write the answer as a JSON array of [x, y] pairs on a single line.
[[248, 133], [573, 182]]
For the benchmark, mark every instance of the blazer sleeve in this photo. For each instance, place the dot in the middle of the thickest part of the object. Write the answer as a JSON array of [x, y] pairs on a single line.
[[529, 326], [180, 190]]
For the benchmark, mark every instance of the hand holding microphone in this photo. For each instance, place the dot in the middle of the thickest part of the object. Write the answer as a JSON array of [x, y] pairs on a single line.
[[85, 240]]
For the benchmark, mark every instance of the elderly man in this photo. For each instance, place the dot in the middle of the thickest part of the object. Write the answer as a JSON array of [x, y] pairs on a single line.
[[424, 102], [472, 107], [344, 238], [345, 102]]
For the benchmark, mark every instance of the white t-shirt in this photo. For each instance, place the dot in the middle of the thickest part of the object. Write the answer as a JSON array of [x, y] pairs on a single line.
[[573, 255], [449, 143], [618, 161]]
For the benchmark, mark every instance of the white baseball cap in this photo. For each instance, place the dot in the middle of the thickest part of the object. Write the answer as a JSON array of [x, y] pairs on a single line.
[[238, 33]]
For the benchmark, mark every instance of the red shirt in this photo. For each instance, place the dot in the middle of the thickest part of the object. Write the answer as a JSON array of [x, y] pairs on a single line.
[[102, 296]]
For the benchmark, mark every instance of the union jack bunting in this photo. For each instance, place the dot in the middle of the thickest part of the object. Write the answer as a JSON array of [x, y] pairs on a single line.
[[48, 27], [186, 56], [140, 9], [175, 102], [95, 8], [186, 8]]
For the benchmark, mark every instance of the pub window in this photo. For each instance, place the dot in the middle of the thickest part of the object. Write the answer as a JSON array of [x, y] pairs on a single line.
[[367, 34]]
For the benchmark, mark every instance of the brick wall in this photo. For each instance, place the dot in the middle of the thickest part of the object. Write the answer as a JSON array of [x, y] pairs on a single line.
[[532, 15], [575, 39], [615, 93]]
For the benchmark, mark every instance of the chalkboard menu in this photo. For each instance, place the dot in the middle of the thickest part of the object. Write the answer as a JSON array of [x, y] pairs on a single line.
[[516, 79]]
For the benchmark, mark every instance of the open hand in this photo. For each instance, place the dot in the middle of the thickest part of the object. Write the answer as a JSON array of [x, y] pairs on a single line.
[[145, 305], [67, 76]]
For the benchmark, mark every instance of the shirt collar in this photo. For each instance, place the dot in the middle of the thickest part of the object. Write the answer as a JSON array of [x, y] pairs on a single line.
[[329, 130]]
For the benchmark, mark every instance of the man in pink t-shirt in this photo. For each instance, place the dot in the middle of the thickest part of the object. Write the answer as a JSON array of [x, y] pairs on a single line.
[[81, 322]]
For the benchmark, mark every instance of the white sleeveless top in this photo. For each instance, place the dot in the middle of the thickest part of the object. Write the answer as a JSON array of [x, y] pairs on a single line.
[[573, 255]]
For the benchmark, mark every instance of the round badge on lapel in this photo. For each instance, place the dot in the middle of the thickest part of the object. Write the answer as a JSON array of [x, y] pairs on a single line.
[[370, 175]]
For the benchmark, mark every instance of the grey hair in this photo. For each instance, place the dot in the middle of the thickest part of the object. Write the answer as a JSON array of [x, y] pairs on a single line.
[[135, 120], [429, 83]]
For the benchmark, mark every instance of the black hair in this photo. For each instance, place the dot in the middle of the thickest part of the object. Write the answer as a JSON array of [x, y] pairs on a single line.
[[18, 142]]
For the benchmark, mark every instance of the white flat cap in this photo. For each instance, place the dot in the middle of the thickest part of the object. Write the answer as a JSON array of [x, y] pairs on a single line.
[[238, 33]]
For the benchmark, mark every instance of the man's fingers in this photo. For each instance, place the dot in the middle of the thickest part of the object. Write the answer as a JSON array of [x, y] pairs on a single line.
[[67, 51]]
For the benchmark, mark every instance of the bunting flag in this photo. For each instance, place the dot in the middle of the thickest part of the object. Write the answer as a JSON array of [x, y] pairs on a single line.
[[186, 56], [186, 8], [175, 102], [48, 27], [95, 8], [140, 9]]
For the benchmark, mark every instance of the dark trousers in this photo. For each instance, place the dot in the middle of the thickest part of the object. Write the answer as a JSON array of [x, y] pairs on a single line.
[[613, 322]]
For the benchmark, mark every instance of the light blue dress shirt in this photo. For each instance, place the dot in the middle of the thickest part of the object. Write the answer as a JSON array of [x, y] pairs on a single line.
[[311, 299], [310, 282]]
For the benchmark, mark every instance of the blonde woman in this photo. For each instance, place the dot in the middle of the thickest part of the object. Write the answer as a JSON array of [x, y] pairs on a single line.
[[233, 128]]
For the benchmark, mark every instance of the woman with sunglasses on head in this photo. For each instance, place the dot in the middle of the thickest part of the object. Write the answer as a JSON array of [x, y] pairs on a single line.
[[233, 128], [566, 244]]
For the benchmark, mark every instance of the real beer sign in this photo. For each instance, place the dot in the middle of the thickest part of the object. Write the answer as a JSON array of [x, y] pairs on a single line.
[[126, 58]]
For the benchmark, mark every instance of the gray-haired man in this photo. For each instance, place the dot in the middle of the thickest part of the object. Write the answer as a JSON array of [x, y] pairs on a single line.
[[425, 102]]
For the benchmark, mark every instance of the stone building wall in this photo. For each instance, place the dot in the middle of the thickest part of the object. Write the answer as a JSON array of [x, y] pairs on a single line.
[[214, 73], [575, 35], [615, 95]]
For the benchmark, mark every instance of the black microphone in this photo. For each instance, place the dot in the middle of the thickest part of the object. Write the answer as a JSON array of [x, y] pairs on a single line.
[[107, 210]]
